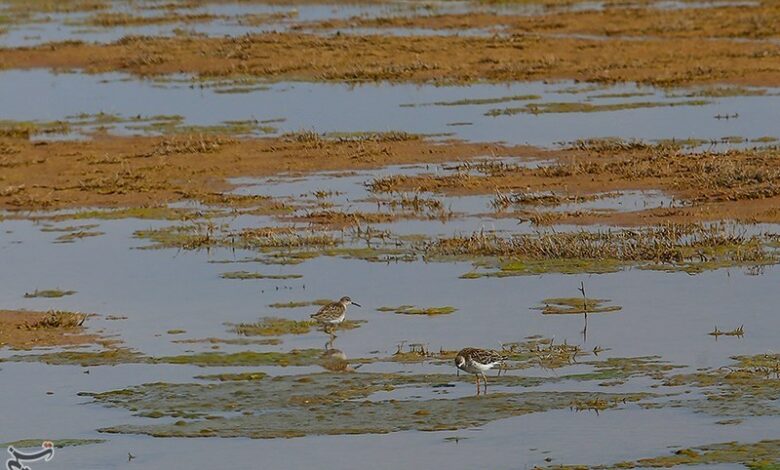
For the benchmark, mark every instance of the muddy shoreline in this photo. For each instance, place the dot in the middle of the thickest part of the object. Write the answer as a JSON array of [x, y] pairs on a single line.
[[373, 58], [112, 171], [143, 172]]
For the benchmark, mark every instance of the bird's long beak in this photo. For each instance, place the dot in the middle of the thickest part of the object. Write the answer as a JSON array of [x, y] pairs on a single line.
[[356, 304]]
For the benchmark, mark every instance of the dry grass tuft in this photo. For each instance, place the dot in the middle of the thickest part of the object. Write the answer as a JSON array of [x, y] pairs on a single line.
[[671, 243], [57, 319]]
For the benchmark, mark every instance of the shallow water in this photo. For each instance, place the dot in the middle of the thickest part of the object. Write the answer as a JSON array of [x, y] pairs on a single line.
[[164, 290], [459, 214], [43, 96], [666, 315]]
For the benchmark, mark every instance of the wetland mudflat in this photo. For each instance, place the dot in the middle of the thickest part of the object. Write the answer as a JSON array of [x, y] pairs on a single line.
[[591, 194]]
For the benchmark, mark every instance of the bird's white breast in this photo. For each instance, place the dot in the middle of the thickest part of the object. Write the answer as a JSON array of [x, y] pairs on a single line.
[[476, 367], [338, 319]]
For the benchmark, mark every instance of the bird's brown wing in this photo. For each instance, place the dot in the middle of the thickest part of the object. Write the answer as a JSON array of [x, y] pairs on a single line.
[[466, 352], [327, 311], [486, 356]]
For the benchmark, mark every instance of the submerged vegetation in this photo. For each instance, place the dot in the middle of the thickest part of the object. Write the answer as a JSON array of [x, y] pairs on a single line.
[[58, 443], [305, 357], [748, 387], [273, 326], [297, 304], [48, 293], [245, 358], [574, 107], [412, 310], [248, 275], [336, 401], [476, 101], [243, 376], [77, 235], [761, 455]]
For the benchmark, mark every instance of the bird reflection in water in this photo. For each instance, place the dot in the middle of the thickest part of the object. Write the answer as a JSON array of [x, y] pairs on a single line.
[[334, 360]]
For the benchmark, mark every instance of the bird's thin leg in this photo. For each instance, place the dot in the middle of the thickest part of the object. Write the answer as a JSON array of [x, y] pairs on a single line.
[[484, 380], [477, 378]]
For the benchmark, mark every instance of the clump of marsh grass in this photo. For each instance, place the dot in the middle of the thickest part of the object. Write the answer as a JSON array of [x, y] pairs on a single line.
[[57, 319], [304, 137], [196, 144], [670, 243], [504, 200], [415, 203], [270, 238], [739, 332], [608, 144]]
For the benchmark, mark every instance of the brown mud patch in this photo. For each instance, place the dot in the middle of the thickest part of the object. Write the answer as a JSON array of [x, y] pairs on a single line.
[[522, 57], [148, 171], [759, 21], [23, 8], [20, 329]]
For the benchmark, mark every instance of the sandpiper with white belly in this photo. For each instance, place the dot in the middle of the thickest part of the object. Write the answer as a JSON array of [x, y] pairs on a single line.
[[334, 313], [477, 361]]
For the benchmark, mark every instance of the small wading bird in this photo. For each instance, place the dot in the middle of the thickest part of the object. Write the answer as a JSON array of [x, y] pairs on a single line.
[[334, 313], [477, 361]]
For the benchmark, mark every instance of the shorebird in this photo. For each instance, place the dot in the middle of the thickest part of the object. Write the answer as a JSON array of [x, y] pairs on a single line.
[[334, 313], [477, 361]]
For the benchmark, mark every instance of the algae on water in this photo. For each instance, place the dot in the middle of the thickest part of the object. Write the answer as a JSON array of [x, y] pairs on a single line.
[[48, 293], [250, 275], [575, 305], [274, 326], [295, 357], [761, 455], [412, 310], [58, 443], [317, 404]]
